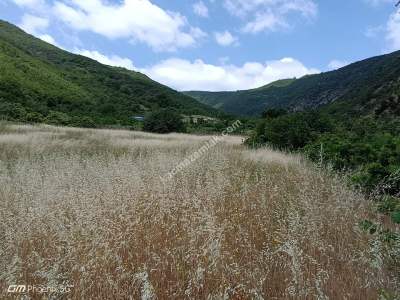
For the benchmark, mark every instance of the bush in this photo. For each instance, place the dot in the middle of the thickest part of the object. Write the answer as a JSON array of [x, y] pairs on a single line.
[[58, 118], [372, 157], [273, 113], [12, 111], [84, 122], [291, 131], [371, 176], [396, 217], [164, 121], [367, 147], [388, 204], [34, 117]]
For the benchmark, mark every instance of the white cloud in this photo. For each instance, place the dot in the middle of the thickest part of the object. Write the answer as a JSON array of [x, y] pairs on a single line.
[[33, 24], [198, 75], [393, 32], [48, 39], [337, 64], [270, 15], [137, 20], [265, 21], [36, 25], [240, 7], [225, 38], [373, 32], [200, 9], [112, 60], [390, 32]]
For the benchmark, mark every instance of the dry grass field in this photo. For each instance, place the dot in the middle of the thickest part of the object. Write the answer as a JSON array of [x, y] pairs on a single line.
[[91, 209]]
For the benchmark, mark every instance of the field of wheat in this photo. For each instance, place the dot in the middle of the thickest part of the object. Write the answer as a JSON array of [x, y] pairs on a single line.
[[93, 210]]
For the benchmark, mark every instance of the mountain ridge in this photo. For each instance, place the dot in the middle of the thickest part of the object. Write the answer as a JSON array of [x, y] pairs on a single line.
[[357, 84]]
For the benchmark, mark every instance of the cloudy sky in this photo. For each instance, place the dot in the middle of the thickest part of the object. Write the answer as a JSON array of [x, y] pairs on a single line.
[[214, 44]]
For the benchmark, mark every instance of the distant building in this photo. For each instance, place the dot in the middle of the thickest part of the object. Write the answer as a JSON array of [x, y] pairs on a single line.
[[195, 119]]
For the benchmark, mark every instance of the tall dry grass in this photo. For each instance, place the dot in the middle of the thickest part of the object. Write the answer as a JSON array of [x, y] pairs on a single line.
[[88, 208]]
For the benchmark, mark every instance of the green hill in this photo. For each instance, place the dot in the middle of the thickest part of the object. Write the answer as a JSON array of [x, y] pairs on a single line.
[[363, 87], [39, 82], [223, 100]]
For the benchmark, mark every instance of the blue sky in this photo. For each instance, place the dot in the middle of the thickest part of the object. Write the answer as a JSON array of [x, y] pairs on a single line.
[[214, 44]]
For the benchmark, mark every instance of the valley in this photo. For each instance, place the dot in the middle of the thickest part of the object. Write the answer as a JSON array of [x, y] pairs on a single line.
[[116, 186]]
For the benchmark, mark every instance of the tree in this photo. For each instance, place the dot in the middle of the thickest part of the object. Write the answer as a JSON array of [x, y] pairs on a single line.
[[58, 118], [273, 113], [164, 121], [12, 111]]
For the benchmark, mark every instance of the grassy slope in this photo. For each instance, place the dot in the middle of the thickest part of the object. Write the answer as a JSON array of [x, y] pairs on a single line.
[[43, 78], [235, 224], [360, 87]]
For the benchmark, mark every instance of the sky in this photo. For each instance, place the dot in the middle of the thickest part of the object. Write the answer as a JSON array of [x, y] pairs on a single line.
[[214, 45]]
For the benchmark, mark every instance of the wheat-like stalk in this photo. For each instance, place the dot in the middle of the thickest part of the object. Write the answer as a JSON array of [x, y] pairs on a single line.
[[87, 208]]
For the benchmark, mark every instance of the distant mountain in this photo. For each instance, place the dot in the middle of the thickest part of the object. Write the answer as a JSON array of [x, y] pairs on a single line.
[[368, 86], [38, 82]]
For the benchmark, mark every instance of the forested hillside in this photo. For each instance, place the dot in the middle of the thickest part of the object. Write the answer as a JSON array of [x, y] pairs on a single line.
[[41, 83], [363, 87]]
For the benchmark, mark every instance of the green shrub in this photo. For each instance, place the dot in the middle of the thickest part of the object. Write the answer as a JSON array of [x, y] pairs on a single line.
[[290, 131], [34, 117], [273, 113], [164, 121], [368, 226], [388, 204], [368, 148], [84, 122], [58, 118], [13, 111], [371, 176], [396, 216]]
